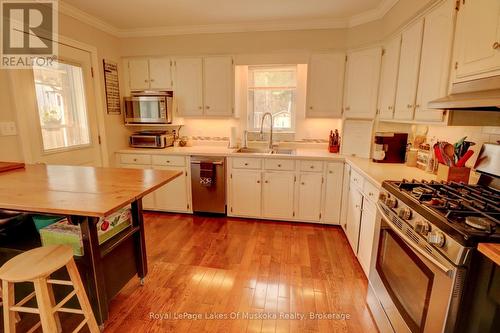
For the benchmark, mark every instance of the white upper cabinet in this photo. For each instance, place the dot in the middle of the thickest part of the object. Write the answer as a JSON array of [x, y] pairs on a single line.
[[389, 78], [189, 86], [477, 52], [218, 86], [409, 65], [325, 84], [160, 75], [436, 60], [150, 73], [138, 71], [362, 80]]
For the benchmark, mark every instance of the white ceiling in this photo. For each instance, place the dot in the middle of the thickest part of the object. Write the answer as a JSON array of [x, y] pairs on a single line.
[[129, 17]]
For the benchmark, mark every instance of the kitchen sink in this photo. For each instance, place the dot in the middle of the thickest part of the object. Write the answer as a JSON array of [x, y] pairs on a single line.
[[266, 151], [247, 150], [283, 152]]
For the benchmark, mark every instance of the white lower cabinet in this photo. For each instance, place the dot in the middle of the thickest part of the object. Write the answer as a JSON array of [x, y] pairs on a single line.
[[366, 235], [173, 196], [245, 192], [148, 201], [353, 218], [277, 194], [332, 202], [309, 196]]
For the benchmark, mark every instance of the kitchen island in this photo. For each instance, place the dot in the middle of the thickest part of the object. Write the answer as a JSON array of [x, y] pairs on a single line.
[[84, 195]]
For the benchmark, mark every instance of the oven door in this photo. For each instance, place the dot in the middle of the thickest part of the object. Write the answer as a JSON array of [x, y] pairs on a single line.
[[148, 109], [414, 287]]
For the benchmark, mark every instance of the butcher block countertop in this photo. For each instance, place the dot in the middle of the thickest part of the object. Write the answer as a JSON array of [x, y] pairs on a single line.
[[491, 251], [77, 190]]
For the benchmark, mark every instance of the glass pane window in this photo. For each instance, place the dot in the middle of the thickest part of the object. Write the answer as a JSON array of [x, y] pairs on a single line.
[[272, 89], [62, 109]]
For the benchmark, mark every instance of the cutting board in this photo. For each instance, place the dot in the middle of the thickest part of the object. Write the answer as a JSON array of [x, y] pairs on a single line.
[[7, 166]]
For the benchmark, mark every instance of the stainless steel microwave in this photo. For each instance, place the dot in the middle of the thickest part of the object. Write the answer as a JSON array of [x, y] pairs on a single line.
[[148, 108]]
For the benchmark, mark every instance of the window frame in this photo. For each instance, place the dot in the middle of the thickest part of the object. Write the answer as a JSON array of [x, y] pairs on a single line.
[[250, 86]]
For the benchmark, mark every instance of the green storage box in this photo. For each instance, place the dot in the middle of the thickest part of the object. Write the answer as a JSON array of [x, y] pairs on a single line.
[[42, 221], [63, 232]]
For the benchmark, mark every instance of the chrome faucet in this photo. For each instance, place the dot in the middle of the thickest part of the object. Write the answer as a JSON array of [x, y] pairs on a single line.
[[271, 132]]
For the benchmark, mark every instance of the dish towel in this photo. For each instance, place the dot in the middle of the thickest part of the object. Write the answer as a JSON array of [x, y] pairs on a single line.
[[206, 174]]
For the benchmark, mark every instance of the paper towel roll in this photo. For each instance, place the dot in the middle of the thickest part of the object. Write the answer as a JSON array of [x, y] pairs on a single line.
[[233, 138]]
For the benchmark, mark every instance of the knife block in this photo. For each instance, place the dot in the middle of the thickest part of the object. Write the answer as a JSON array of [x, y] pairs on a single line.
[[453, 174]]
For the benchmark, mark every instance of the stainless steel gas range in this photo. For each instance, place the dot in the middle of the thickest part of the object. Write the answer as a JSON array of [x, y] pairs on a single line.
[[429, 232]]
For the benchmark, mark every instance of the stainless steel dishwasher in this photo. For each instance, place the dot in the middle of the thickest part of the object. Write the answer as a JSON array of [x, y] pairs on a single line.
[[208, 184]]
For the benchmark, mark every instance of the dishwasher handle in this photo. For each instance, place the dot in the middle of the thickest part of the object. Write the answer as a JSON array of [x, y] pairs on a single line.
[[213, 162]]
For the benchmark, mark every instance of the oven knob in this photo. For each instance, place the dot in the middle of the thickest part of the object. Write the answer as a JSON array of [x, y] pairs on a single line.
[[405, 213], [436, 238], [422, 227], [391, 202]]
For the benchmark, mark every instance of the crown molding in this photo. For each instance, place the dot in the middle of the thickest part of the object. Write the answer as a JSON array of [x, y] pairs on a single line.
[[338, 23]]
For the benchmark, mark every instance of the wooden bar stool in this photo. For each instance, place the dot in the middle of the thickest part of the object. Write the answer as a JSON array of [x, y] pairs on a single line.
[[36, 266]]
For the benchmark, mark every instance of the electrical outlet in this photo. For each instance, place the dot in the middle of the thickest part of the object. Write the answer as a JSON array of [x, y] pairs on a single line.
[[8, 128]]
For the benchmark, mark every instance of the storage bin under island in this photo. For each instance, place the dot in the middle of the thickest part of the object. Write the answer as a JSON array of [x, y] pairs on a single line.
[[85, 196]]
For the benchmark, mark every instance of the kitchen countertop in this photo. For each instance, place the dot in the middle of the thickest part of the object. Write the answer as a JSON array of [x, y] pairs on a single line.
[[491, 251], [77, 190], [374, 172]]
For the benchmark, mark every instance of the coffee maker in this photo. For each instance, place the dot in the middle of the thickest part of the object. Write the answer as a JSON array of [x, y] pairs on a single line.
[[390, 147]]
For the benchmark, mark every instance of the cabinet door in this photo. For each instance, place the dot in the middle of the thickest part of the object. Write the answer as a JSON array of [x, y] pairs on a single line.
[[345, 196], [325, 85], [435, 63], [362, 75], [138, 72], [218, 86], [409, 64], [160, 75], [389, 78], [333, 193], [148, 201], [277, 195], [366, 235], [246, 193], [189, 86], [478, 29], [353, 218], [174, 195], [309, 200]]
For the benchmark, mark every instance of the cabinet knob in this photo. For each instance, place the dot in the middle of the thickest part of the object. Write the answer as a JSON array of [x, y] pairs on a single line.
[[410, 106], [496, 45], [330, 171], [347, 108], [303, 183], [279, 165], [208, 107], [146, 81], [389, 107], [152, 80], [135, 159], [200, 107], [168, 161], [310, 108], [417, 106], [266, 181], [258, 182], [312, 166], [246, 164]]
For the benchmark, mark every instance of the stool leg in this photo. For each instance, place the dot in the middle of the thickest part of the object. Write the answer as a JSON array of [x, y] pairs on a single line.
[[44, 306], [53, 304], [9, 317], [82, 296]]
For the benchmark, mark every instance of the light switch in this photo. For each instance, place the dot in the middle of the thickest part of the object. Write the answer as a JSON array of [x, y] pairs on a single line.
[[8, 128]]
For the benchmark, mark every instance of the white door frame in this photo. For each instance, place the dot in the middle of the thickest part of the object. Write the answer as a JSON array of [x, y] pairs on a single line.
[[23, 102]]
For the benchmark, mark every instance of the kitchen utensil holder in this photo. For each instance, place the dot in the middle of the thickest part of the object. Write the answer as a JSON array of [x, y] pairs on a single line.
[[455, 174], [334, 149]]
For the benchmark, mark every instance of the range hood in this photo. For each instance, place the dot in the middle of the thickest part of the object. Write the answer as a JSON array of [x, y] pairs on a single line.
[[476, 95]]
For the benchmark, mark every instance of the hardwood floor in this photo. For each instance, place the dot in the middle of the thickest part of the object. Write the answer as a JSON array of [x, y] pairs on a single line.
[[210, 265], [203, 266]]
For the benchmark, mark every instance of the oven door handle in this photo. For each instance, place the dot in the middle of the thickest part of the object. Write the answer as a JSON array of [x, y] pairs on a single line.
[[444, 268]]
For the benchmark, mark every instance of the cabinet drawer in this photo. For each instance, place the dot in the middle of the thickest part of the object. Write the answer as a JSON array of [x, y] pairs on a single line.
[[172, 160], [335, 168], [316, 166], [356, 179], [135, 159], [370, 191], [247, 163], [275, 164]]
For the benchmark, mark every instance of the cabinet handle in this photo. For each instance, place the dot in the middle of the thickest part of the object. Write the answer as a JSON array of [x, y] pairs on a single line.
[[279, 165], [357, 206], [410, 106], [370, 194], [389, 107], [303, 183], [258, 182], [152, 80], [208, 107], [310, 108], [496, 45], [266, 181], [312, 166], [246, 164], [146, 81], [200, 107], [135, 159], [347, 108], [330, 171], [168, 161], [417, 106]]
